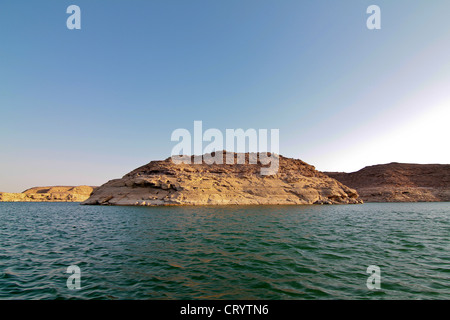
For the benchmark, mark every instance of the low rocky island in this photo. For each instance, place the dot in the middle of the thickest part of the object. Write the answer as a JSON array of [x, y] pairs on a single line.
[[399, 182], [49, 194], [167, 183]]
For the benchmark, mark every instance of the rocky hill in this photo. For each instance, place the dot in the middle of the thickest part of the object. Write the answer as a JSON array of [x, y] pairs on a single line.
[[399, 182], [167, 183], [49, 194]]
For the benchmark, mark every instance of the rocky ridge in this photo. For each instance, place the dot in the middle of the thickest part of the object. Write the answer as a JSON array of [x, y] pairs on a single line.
[[166, 183], [399, 182], [49, 194]]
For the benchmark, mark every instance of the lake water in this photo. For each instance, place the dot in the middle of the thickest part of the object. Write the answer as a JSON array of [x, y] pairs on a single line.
[[233, 252]]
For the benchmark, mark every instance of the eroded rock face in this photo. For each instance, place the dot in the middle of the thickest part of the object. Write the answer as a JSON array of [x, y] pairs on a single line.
[[49, 194], [399, 182], [167, 183]]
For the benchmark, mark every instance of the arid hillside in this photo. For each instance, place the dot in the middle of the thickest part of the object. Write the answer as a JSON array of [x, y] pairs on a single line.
[[49, 194], [166, 183], [399, 182]]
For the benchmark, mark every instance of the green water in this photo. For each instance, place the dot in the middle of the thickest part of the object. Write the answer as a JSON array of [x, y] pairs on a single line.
[[276, 252]]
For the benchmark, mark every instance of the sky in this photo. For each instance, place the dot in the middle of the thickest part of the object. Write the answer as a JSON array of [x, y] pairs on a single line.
[[81, 107]]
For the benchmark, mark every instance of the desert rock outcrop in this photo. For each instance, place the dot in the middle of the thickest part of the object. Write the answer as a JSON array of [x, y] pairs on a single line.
[[49, 194], [167, 183], [399, 182]]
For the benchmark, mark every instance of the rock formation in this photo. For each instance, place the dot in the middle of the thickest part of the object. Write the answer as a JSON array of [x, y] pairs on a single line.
[[49, 194], [167, 183], [399, 182]]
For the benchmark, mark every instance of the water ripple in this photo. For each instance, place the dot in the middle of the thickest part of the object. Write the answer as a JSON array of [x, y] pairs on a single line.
[[279, 252]]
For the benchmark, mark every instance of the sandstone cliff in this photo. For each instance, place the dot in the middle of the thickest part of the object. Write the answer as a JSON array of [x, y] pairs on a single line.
[[49, 194], [399, 182], [166, 183]]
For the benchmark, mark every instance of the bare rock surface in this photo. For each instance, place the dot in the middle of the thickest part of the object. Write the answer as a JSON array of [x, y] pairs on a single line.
[[49, 194], [166, 183], [399, 182]]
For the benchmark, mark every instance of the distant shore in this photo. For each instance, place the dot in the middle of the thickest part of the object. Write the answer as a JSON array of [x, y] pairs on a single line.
[[164, 183], [50, 194], [399, 182]]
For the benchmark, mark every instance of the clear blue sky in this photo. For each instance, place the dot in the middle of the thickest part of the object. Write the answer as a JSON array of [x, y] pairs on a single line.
[[86, 106]]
